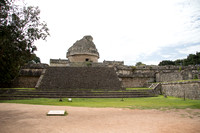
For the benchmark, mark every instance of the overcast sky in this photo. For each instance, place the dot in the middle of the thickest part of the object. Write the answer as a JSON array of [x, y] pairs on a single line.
[[123, 30]]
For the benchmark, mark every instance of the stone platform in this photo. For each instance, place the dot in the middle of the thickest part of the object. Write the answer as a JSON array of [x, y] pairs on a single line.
[[75, 78]]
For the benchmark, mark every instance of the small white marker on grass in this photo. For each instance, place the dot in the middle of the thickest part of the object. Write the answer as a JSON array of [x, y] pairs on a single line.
[[57, 113], [69, 100]]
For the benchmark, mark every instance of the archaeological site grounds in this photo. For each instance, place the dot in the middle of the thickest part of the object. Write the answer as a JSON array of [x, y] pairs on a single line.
[[106, 96], [82, 76]]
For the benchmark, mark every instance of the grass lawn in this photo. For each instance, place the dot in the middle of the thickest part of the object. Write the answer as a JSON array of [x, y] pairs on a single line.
[[18, 88], [138, 89], [133, 103], [178, 81]]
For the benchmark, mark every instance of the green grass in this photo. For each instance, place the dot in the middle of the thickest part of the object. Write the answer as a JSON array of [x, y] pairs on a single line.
[[133, 103], [138, 88], [188, 80], [178, 81], [20, 88]]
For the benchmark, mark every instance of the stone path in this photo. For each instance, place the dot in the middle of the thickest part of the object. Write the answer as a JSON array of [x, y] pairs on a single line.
[[21, 118]]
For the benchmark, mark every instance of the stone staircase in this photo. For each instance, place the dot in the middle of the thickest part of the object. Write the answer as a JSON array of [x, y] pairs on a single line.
[[153, 86], [72, 78], [156, 88], [10, 94]]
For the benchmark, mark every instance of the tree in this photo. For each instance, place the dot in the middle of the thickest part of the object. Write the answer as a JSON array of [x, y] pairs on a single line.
[[166, 62], [34, 59], [179, 62], [139, 64], [192, 59], [20, 27]]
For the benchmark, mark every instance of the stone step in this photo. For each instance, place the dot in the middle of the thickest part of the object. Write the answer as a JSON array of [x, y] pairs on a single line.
[[71, 94], [75, 92], [103, 96], [57, 78], [24, 94], [57, 93], [43, 96]]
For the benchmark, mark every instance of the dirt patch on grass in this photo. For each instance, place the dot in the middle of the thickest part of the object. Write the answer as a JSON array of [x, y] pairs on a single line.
[[21, 118]]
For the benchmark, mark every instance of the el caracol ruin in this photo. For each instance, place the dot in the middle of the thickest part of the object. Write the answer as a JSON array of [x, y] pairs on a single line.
[[80, 75]]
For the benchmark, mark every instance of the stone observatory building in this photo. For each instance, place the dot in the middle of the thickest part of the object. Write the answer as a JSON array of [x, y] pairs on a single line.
[[81, 71], [83, 50]]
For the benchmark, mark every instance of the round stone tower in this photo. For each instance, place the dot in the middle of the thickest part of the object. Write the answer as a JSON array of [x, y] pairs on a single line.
[[83, 50]]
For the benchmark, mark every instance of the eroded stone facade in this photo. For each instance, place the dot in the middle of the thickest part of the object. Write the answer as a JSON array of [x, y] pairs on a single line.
[[83, 58], [189, 89], [143, 76]]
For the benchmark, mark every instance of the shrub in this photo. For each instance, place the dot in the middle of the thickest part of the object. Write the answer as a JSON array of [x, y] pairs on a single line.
[[180, 69], [133, 68], [196, 76], [88, 64]]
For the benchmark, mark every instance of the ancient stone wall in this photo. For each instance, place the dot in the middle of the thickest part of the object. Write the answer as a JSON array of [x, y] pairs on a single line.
[[190, 89], [142, 75], [175, 75], [130, 76], [83, 63], [86, 64], [35, 66], [28, 76], [113, 63], [25, 82], [59, 62], [83, 58], [170, 76], [132, 82]]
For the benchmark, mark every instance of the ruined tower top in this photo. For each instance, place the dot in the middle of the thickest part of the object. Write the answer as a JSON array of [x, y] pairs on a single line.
[[83, 50]]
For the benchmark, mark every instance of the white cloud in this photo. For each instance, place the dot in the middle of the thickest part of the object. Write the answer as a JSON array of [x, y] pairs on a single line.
[[190, 49]]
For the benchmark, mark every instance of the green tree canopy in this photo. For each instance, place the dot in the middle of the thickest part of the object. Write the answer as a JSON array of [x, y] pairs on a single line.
[[139, 64], [20, 27], [192, 59], [166, 62]]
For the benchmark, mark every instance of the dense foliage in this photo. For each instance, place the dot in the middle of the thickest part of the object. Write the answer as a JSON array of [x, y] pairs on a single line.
[[20, 27], [192, 59], [166, 62]]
